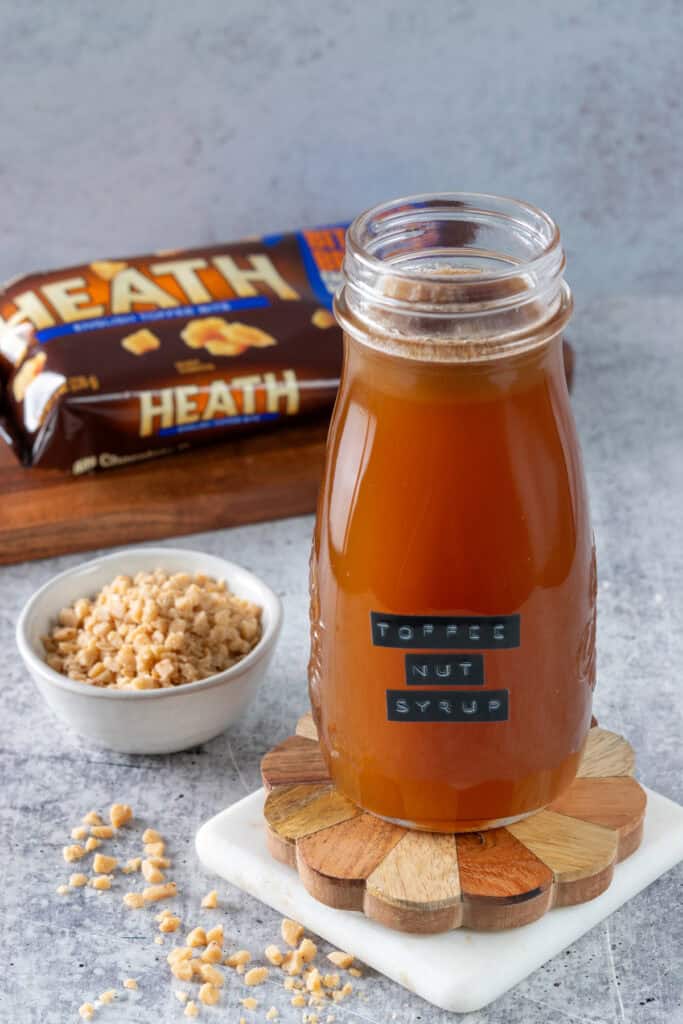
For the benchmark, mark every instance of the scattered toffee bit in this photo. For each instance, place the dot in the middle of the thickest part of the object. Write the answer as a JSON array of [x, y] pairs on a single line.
[[197, 937], [72, 853], [208, 972], [134, 900], [291, 932], [101, 882], [169, 923], [210, 901], [153, 893], [273, 955], [102, 831], [104, 865], [151, 873], [209, 994], [238, 959], [120, 814], [201, 961], [343, 960], [256, 976]]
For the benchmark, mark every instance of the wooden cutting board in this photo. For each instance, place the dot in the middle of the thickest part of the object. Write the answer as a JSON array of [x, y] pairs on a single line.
[[267, 476]]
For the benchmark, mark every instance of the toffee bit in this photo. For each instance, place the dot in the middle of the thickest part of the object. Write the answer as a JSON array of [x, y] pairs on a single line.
[[291, 931], [120, 814], [209, 994], [73, 852], [256, 976], [153, 893], [339, 959], [210, 901]]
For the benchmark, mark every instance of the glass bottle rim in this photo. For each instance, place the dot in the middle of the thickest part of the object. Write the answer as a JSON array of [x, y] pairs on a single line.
[[485, 203], [462, 275]]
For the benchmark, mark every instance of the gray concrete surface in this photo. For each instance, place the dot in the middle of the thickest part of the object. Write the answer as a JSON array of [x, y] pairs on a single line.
[[62, 950], [138, 126]]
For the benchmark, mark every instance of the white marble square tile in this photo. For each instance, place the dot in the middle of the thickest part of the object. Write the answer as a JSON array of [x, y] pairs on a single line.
[[460, 970]]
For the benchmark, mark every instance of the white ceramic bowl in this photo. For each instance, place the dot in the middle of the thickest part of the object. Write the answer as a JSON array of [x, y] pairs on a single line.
[[147, 721]]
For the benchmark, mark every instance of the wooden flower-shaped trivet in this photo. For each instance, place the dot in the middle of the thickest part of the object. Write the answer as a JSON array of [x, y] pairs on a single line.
[[433, 882]]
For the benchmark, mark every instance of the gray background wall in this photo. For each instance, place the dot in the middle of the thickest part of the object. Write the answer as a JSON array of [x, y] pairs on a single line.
[[129, 126]]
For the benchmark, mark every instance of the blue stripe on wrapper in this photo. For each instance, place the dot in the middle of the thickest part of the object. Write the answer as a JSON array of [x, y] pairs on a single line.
[[151, 316], [232, 421]]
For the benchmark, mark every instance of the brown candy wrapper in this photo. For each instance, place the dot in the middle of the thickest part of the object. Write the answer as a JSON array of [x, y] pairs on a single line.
[[118, 361]]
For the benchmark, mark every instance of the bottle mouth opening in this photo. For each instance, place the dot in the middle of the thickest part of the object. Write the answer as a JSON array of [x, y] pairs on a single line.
[[451, 268], [472, 247]]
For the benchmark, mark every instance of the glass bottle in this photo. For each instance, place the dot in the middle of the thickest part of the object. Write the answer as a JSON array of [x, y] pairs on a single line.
[[453, 575]]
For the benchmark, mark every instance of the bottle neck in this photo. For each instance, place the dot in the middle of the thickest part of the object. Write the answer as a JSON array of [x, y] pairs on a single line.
[[453, 278]]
